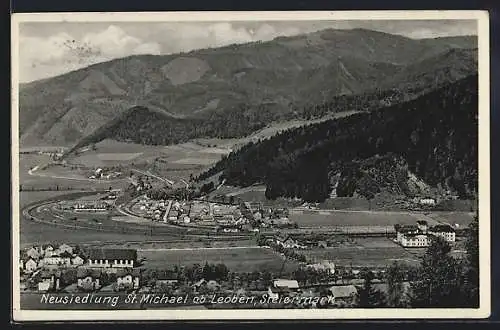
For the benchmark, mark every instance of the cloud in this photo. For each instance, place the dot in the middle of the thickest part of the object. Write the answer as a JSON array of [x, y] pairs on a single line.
[[45, 57]]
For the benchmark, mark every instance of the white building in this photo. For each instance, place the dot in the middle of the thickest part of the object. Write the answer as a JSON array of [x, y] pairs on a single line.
[[324, 266], [77, 261], [127, 279], [49, 281], [54, 260], [30, 266], [428, 201], [414, 240], [446, 232], [88, 280]]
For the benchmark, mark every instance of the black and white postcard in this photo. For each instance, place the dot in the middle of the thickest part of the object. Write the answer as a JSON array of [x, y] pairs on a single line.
[[250, 165]]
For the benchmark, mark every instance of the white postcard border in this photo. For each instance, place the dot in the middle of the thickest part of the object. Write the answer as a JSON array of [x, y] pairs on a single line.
[[482, 18]]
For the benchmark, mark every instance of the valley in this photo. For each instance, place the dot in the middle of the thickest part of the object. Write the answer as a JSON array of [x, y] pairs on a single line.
[[303, 158]]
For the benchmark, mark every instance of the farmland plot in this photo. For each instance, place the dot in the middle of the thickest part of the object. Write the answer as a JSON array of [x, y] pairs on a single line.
[[237, 258], [307, 218]]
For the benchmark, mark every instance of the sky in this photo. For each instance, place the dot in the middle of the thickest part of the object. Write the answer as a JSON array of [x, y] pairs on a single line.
[[48, 49]]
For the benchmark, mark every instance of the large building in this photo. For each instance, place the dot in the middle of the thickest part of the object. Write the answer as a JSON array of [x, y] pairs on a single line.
[[447, 232], [415, 240], [420, 235], [112, 258]]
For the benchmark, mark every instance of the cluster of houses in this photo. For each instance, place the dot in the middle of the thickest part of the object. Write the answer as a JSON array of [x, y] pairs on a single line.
[[52, 268], [100, 173], [178, 212], [226, 218], [156, 210], [288, 242], [339, 295], [47, 256], [222, 217], [420, 235], [266, 217]]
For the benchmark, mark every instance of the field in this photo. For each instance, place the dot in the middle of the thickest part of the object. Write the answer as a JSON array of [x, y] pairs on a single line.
[[366, 252], [308, 218], [124, 156], [195, 161], [240, 259], [461, 218], [27, 197]]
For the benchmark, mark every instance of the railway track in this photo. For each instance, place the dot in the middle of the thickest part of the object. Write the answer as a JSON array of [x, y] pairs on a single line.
[[31, 213]]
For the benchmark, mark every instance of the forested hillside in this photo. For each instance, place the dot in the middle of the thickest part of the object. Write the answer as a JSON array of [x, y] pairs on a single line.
[[433, 137]]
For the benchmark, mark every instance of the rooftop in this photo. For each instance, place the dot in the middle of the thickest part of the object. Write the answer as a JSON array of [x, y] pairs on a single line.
[[442, 228], [84, 272], [112, 254], [343, 291], [291, 284], [128, 271]]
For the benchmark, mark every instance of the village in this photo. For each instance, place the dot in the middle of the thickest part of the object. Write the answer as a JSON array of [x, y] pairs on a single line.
[[71, 269], [222, 217]]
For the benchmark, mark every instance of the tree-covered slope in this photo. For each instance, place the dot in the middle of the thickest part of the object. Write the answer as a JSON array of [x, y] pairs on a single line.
[[434, 136]]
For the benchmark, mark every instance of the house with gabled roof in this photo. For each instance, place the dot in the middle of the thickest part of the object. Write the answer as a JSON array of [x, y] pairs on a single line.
[[77, 261], [345, 294], [88, 279], [33, 253], [49, 281], [30, 266], [65, 248], [127, 279]]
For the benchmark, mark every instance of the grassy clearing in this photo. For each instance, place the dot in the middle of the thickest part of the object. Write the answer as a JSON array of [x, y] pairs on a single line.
[[463, 219], [27, 197], [350, 218], [37, 233], [365, 255], [196, 161], [116, 156], [240, 259]]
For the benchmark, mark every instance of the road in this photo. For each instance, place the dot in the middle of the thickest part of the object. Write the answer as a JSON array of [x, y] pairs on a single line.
[[147, 173]]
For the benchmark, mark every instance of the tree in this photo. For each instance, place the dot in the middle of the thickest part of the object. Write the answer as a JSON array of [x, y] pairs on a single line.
[[368, 296], [207, 272], [471, 273], [396, 293], [437, 283], [221, 272]]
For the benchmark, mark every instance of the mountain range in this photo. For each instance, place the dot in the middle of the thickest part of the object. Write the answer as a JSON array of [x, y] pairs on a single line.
[[234, 90]]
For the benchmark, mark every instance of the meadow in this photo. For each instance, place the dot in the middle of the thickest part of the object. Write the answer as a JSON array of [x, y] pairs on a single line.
[[307, 218], [365, 253], [463, 219], [238, 259]]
